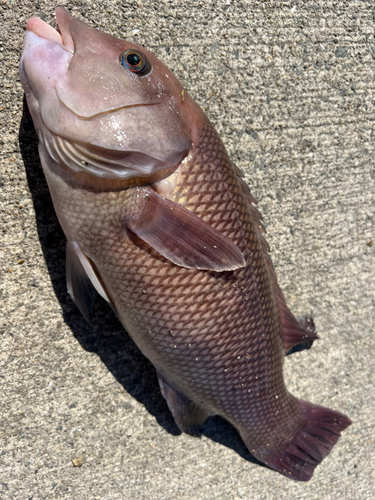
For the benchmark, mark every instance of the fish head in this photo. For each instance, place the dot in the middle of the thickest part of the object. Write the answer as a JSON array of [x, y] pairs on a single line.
[[104, 107]]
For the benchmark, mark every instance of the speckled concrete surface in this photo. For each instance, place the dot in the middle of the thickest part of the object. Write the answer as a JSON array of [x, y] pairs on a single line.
[[290, 87]]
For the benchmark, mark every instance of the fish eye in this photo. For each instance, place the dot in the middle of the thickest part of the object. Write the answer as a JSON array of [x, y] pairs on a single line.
[[136, 62]]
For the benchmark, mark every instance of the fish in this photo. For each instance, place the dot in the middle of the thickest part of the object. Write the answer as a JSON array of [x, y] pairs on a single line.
[[162, 225]]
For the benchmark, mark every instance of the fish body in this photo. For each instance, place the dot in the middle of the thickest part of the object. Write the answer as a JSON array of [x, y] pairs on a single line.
[[160, 222]]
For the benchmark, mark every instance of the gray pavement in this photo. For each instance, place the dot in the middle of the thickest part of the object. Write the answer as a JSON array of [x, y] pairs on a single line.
[[290, 87]]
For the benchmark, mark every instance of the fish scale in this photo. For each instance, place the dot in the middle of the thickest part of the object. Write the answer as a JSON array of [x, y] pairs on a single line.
[[160, 222], [216, 339]]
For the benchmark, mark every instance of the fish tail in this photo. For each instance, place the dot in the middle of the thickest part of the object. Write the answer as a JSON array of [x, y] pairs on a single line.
[[318, 432]]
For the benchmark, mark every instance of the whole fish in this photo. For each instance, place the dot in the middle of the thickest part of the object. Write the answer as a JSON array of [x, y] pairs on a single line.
[[159, 221]]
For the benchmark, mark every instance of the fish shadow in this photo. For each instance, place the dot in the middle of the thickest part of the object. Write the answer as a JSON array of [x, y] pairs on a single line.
[[106, 336], [222, 432]]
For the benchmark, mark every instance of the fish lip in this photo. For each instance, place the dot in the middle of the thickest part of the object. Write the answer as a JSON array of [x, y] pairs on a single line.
[[60, 36]]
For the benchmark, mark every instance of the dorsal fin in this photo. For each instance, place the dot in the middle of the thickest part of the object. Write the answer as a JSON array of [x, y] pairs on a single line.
[[292, 331]]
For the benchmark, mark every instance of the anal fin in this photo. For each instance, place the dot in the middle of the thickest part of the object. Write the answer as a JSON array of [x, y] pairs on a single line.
[[188, 416], [82, 281]]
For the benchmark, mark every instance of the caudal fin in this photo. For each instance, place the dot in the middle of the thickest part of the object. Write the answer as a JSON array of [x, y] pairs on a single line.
[[319, 432]]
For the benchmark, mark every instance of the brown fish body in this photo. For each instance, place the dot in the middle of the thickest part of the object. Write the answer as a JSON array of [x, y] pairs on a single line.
[[216, 339], [199, 329]]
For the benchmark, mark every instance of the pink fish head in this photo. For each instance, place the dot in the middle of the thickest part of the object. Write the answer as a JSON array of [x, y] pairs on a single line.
[[102, 106]]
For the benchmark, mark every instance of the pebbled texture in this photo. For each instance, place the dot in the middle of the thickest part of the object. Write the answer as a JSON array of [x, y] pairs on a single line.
[[314, 186], [232, 328]]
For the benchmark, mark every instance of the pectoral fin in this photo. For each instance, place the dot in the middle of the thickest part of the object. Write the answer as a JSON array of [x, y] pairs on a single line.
[[181, 236], [82, 281]]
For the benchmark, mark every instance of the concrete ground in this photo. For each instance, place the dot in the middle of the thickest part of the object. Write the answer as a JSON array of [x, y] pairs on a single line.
[[290, 87]]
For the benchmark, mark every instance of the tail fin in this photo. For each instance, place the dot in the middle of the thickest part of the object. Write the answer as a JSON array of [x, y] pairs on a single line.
[[312, 442], [319, 431]]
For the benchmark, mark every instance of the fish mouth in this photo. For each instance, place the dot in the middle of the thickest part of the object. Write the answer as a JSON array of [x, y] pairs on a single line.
[[128, 147], [62, 37]]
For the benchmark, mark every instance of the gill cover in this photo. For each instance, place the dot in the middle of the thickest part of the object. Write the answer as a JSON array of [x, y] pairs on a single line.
[[95, 114]]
